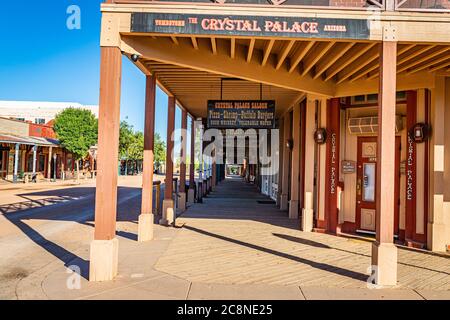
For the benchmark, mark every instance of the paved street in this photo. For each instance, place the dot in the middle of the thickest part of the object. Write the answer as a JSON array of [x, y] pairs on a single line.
[[236, 245]]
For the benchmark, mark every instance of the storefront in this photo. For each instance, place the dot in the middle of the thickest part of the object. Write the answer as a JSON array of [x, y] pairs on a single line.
[[361, 99]]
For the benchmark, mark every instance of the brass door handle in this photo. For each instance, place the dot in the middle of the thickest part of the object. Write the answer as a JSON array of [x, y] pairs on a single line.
[[358, 186]]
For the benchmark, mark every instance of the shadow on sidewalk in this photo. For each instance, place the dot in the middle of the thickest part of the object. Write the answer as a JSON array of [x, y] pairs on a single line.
[[63, 209], [318, 265]]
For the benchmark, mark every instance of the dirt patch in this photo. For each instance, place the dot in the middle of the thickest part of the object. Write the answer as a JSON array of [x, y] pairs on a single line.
[[16, 273]]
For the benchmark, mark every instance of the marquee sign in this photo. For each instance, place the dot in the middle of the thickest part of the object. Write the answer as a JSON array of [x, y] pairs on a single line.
[[293, 27], [245, 114]]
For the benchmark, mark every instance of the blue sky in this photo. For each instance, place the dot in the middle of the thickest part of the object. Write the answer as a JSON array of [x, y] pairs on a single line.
[[45, 61]]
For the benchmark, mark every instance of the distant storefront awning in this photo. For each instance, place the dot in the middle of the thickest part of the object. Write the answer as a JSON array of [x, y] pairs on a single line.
[[35, 141]]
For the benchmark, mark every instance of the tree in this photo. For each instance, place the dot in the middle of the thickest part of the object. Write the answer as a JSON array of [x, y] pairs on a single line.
[[125, 139], [136, 147], [159, 150], [77, 131]]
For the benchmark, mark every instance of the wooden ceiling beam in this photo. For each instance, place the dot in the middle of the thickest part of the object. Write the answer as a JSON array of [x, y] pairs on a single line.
[[251, 46], [440, 66], [194, 43], [319, 51], [427, 56], [284, 53], [232, 48], [415, 81], [417, 51], [174, 40], [184, 56], [371, 56], [374, 64], [337, 52], [354, 53], [267, 49], [213, 45], [428, 64], [300, 54]]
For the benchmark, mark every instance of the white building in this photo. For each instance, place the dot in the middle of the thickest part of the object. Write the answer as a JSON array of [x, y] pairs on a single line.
[[39, 112]]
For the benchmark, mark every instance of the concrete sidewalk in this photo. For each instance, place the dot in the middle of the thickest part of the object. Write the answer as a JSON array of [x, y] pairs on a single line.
[[138, 279], [233, 246]]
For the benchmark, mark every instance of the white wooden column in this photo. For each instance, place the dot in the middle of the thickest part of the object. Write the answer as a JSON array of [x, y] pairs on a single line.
[[438, 220], [309, 154], [284, 198], [295, 164]]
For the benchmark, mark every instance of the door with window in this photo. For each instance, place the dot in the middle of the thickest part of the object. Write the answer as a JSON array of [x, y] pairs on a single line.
[[366, 182]]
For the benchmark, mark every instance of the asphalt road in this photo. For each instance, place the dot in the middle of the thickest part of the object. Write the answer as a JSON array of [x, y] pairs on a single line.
[[51, 224]]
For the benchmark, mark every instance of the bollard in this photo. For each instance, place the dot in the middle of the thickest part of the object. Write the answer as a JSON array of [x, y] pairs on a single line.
[[175, 193], [157, 197], [199, 192]]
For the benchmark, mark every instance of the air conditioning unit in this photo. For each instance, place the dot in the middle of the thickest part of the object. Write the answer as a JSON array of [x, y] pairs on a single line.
[[369, 125]]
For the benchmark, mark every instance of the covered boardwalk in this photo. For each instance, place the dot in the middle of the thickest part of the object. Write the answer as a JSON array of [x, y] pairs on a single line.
[[360, 115], [237, 237]]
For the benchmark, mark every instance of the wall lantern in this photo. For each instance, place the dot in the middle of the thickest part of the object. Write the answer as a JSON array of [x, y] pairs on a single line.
[[320, 136], [289, 144], [420, 132]]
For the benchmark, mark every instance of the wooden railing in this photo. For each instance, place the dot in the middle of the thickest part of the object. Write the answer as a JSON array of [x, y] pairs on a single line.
[[423, 5], [384, 5]]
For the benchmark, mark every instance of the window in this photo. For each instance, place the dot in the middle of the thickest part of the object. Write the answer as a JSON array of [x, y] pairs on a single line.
[[373, 98], [39, 120]]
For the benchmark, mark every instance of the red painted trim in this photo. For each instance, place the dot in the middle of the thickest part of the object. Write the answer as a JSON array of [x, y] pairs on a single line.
[[332, 164], [348, 227], [417, 237], [410, 168]]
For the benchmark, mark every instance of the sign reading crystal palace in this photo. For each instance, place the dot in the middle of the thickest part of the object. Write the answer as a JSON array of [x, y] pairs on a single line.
[[297, 27]]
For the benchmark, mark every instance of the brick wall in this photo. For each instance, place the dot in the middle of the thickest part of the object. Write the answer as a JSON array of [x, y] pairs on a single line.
[[41, 130]]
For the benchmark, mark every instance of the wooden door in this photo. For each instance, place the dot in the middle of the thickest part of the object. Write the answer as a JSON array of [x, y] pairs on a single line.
[[366, 183]]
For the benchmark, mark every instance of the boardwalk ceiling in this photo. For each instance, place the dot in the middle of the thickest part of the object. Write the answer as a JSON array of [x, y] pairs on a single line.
[[195, 69]]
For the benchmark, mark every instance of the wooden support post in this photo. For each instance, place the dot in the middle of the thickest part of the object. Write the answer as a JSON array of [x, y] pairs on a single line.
[[168, 215], [34, 176], [191, 191], [104, 248], [308, 188], [182, 194], [145, 223], [16, 162], [287, 132], [49, 163], [295, 165], [438, 229], [384, 252]]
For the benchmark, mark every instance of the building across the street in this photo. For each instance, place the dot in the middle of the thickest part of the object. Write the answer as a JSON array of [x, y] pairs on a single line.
[[31, 152], [39, 112]]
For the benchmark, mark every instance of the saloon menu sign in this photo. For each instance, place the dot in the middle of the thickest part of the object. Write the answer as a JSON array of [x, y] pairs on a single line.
[[257, 114], [270, 26]]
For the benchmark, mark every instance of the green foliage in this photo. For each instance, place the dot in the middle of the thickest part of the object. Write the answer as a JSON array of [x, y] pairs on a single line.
[[136, 146], [76, 129], [159, 149], [131, 144], [126, 137]]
